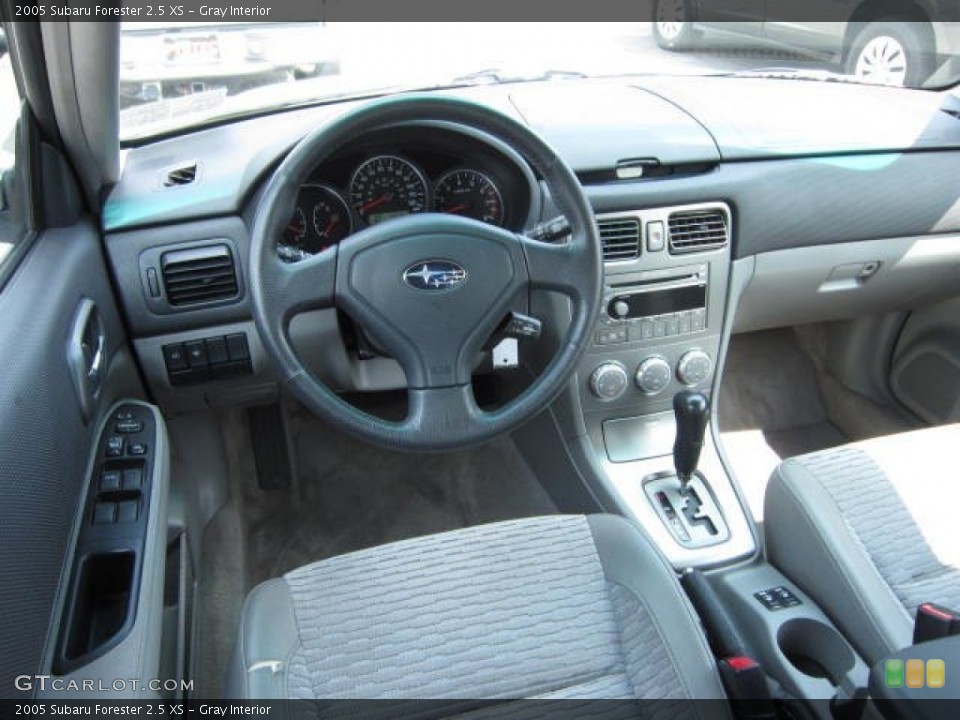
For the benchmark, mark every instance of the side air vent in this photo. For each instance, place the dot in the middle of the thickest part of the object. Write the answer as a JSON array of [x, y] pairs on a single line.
[[179, 176], [697, 230], [199, 275], [620, 238]]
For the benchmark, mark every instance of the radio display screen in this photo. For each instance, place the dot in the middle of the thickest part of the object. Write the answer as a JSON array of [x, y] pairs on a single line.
[[662, 302]]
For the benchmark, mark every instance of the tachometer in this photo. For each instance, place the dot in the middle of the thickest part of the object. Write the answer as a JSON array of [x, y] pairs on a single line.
[[387, 186], [320, 219], [472, 194], [332, 219]]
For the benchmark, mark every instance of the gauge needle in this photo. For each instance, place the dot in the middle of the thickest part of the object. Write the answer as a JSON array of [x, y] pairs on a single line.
[[456, 209], [295, 229], [331, 225], [375, 203]]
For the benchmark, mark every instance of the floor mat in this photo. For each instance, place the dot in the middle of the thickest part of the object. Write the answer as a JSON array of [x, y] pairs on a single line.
[[346, 495], [770, 407]]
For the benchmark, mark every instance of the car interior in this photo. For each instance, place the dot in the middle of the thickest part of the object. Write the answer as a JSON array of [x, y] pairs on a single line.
[[579, 389]]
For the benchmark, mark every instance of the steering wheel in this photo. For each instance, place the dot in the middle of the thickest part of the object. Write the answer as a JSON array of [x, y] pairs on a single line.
[[429, 288]]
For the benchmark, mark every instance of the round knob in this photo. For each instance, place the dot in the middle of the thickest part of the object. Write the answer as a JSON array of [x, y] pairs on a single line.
[[609, 381], [653, 375], [621, 309], [694, 367]]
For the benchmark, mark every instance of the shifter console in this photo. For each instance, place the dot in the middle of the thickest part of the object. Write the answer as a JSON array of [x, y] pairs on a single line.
[[683, 499]]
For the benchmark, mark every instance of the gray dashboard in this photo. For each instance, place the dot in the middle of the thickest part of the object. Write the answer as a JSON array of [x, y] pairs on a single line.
[[798, 164]]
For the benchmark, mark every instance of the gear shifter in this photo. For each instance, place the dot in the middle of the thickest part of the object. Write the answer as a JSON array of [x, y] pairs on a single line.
[[692, 410]]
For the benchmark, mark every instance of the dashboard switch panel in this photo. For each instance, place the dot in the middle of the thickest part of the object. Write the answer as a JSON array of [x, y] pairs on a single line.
[[206, 359]]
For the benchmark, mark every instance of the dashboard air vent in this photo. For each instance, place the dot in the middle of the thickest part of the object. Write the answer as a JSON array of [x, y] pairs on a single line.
[[697, 230], [620, 238], [179, 176], [199, 275]]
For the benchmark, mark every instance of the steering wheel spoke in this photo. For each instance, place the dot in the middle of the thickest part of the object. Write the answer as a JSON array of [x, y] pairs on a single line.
[[304, 285], [560, 267], [446, 413]]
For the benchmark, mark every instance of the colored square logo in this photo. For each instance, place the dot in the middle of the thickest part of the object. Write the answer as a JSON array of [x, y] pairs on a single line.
[[894, 673], [914, 673], [936, 673]]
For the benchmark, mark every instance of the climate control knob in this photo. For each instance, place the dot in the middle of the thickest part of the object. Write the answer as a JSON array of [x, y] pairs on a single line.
[[609, 381], [694, 368], [653, 375]]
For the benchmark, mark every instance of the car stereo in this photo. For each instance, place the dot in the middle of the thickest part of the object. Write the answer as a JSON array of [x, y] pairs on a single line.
[[654, 305]]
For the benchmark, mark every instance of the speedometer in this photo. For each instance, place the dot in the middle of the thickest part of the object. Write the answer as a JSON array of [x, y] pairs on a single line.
[[387, 186]]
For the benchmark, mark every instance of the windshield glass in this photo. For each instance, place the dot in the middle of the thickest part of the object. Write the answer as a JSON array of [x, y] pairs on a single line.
[[175, 75]]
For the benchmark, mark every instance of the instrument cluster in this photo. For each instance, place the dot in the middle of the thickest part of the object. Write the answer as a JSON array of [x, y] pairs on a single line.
[[380, 183]]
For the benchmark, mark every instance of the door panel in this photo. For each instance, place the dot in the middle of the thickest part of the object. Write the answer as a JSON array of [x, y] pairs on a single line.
[[44, 438]]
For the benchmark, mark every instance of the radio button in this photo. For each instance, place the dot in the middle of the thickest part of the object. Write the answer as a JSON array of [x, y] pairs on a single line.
[[642, 330], [621, 309], [685, 320], [694, 368], [653, 375], [698, 321], [673, 326], [659, 328], [611, 336]]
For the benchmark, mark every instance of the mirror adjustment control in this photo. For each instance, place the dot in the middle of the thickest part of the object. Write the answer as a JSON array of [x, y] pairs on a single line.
[[114, 447]]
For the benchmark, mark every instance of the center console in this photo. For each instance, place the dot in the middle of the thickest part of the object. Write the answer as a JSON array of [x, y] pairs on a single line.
[[659, 333]]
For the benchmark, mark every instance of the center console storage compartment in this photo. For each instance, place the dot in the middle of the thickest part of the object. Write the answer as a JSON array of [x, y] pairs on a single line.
[[793, 639]]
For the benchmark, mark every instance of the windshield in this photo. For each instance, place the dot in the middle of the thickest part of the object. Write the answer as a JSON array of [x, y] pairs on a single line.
[[177, 75]]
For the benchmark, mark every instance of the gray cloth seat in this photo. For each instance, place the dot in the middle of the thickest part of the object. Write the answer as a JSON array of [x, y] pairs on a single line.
[[547, 607], [870, 531]]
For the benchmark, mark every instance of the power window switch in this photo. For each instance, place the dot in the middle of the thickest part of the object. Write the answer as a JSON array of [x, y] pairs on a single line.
[[127, 511], [132, 478], [104, 513], [109, 481]]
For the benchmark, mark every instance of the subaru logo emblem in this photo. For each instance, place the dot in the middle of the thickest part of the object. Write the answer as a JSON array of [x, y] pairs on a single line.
[[434, 275]]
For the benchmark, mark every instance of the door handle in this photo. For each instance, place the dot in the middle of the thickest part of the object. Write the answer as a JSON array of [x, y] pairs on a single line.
[[87, 355]]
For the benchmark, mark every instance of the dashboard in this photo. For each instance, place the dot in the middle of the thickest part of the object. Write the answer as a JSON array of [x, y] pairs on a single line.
[[804, 204], [401, 172]]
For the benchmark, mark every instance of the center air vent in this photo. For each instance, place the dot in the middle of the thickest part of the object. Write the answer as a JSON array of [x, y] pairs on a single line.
[[620, 238], [199, 275], [697, 230], [179, 176]]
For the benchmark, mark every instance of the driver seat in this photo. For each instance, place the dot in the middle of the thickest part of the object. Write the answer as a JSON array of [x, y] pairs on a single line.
[[551, 607]]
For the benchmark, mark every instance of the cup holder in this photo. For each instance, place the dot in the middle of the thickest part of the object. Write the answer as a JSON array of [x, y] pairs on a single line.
[[816, 649]]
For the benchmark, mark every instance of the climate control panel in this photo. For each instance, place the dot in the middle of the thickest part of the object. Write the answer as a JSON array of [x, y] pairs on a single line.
[[610, 380]]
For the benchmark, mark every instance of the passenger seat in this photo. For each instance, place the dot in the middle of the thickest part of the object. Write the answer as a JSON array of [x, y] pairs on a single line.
[[871, 530]]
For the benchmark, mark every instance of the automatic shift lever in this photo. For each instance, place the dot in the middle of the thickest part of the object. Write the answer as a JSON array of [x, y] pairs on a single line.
[[692, 410]]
